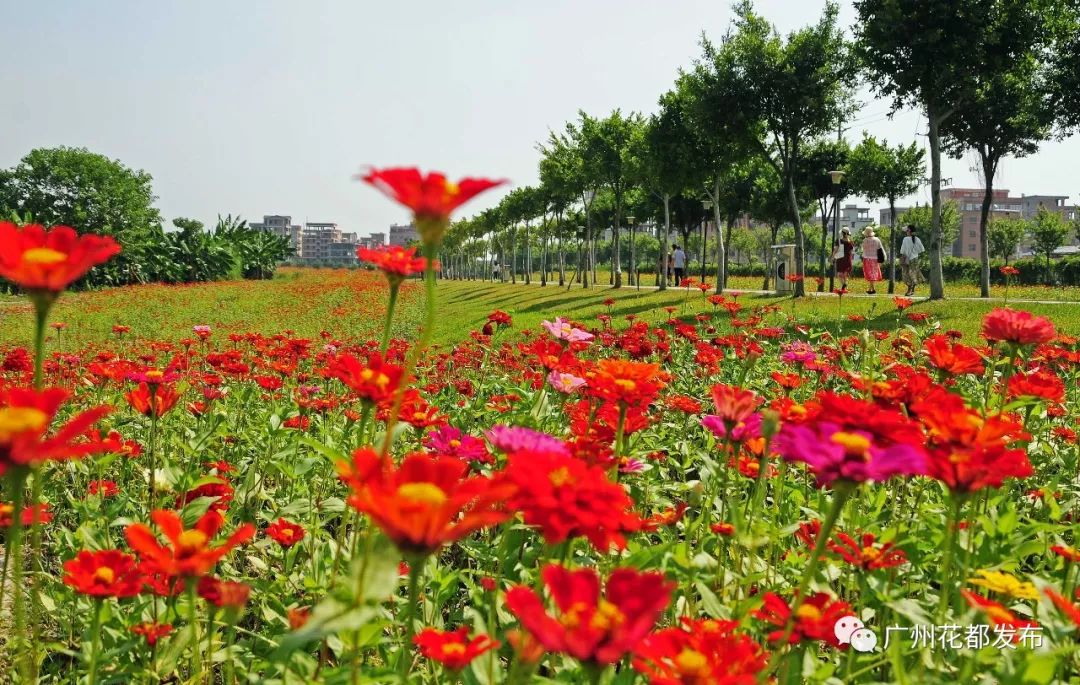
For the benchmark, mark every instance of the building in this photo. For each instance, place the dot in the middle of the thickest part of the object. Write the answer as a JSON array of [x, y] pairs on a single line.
[[403, 234], [325, 242], [282, 225], [855, 218], [376, 239], [1030, 205], [969, 203], [884, 218]]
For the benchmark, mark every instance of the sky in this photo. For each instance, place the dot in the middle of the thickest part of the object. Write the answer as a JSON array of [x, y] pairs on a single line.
[[272, 107]]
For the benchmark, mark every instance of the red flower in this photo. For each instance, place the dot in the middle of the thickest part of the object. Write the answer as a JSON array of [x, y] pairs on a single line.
[[108, 573], [218, 489], [1064, 605], [814, 619], [699, 652], [189, 552], [43, 260], [954, 359], [425, 503], [568, 498], [734, 405], [38, 513], [865, 554], [1040, 384], [500, 318], [1018, 327], [25, 415], [395, 261], [590, 627], [298, 616], [104, 488], [967, 451], [453, 649], [156, 402], [285, 533], [1066, 552], [374, 381], [999, 616], [667, 517], [222, 593], [430, 196], [152, 632], [725, 529]]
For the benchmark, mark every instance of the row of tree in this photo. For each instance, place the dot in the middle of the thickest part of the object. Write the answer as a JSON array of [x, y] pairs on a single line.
[[92, 193], [747, 130]]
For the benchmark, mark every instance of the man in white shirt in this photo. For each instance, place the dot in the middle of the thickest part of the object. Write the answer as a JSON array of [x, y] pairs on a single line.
[[679, 259], [910, 250]]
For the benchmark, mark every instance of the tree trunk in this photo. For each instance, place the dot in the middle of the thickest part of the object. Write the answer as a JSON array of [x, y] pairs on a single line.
[[543, 261], [616, 258], [825, 242], [722, 259], [892, 240], [665, 243], [633, 256], [721, 252], [562, 254], [800, 257], [988, 165], [937, 277], [513, 256], [528, 256]]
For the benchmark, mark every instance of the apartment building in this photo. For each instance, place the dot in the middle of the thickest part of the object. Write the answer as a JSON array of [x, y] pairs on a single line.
[[403, 234]]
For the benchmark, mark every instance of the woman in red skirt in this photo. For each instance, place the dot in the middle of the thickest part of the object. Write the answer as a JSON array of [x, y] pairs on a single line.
[[843, 254], [872, 252]]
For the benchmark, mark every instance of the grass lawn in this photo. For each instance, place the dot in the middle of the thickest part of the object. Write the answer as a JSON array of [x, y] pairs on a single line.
[[350, 304]]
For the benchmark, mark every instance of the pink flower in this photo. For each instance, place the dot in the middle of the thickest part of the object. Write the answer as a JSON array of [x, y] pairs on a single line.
[[798, 352], [450, 441], [519, 439], [561, 329], [741, 431], [836, 453], [565, 382]]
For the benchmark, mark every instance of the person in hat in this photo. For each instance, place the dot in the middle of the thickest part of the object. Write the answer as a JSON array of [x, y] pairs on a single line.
[[873, 254], [910, 250]]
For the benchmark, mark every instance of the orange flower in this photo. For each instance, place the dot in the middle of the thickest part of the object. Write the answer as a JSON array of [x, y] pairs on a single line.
[[425, 503], [453, 649], [396, 262], [631, 383], [48, 261], [952, 359], [999, 616], [189, 552], [285, 533], [155, 402], [25, 415], [223, 593], [430, 196], [374, 381], [108, 573], [152, 632], [1064, 606]]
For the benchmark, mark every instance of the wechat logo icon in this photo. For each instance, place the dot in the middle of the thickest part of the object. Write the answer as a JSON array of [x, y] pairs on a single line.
[[850, 630]]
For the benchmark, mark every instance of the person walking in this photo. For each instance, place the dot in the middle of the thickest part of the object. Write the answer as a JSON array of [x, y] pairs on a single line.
[[843, 252], [910, 250], [678, 259], [873, 255]]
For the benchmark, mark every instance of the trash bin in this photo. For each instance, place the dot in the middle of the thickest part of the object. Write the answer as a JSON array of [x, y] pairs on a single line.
[[783, 266]]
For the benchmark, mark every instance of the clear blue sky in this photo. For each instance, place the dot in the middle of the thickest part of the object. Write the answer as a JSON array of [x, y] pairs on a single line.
[[270, 107]]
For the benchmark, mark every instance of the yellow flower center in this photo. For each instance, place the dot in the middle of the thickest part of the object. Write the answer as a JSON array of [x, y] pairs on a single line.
[[870, 554], [692, 663], [452, 189], [572, 617], [959, 458], [154, 376], [424, 493], [560, 476], [453, 649], [104, 575], [455, 443], [16, 420], [381, 380], [607, 616], [854, 445], [999, 614], [808, 612], [191, 541], [287, 533], [44, 256], [626, 384]]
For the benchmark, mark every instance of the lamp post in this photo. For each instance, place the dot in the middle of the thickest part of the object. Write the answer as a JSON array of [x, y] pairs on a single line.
[[707, 204], [633, 254], [837, 178]]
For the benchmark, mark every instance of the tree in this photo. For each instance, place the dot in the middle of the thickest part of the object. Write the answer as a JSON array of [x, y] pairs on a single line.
[[879, 171], [1010, 112], [821, 157], [1005, 236], [92, 194], [1049, 231], [605, 151], [922, 53], [779, 93]]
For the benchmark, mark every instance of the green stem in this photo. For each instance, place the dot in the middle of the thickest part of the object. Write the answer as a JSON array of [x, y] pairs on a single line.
[[15, 551], [390, 305], [41, 318], [95, 641], [951, 534], [152, 458], [405, 663], [193, 619]]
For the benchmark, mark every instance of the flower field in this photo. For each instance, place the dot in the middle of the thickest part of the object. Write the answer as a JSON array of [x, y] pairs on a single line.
[[709, 490]]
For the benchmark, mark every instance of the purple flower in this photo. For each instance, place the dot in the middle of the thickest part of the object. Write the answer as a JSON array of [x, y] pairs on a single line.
[[743, 430], [836, 454], [561, 329], [520, 439], [798, 352], [452, 442], [565, 382]]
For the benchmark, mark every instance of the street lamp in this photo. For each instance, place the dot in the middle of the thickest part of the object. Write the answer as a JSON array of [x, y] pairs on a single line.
[[707, 204], [837, 178]]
